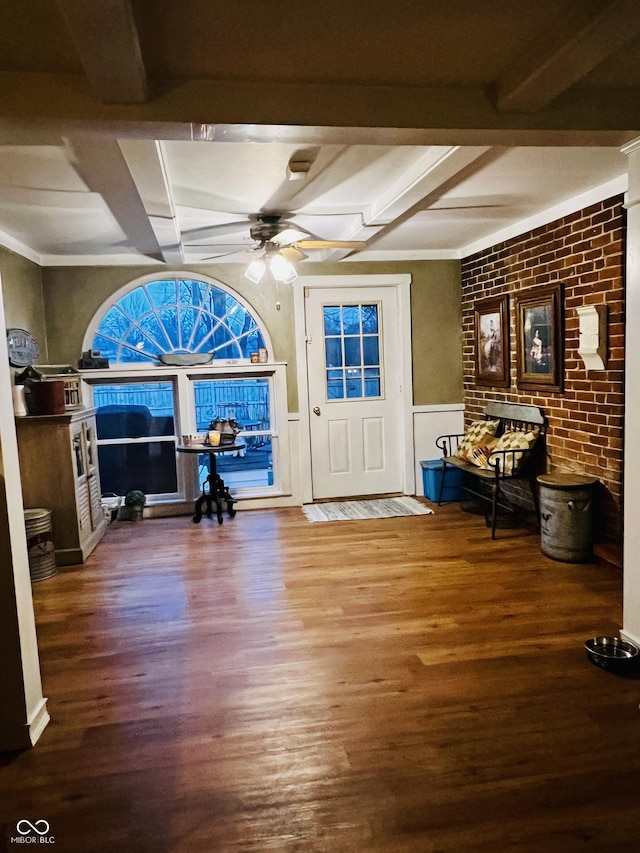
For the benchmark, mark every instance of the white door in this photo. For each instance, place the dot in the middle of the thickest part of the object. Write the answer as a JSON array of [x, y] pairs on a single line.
[[355, 411]]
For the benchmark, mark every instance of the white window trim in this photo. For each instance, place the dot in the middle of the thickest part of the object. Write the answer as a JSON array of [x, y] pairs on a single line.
[[183, 378]]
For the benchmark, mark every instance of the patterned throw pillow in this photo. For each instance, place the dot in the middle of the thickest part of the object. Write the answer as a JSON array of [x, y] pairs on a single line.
[[478, 439], [513, 440]]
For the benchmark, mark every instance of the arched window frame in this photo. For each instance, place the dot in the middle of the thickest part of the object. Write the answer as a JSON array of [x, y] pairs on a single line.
[[128, 288]]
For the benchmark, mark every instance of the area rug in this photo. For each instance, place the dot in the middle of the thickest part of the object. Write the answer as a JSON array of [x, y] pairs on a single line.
[[355, 510]]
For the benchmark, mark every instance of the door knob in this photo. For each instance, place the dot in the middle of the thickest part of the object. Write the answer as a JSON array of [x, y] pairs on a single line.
[[316, 410]]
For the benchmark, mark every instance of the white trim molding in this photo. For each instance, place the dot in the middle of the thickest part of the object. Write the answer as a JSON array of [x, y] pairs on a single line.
[[402, 283]]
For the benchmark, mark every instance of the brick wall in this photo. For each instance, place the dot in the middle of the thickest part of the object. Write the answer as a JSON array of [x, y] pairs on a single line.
[[585, 252]]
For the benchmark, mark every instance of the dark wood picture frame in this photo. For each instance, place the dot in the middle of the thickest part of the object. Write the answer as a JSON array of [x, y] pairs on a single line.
[[491, 331], [540, 338]]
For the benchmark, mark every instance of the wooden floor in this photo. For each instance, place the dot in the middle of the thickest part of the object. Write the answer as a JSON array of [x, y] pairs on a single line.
[[399, 685]]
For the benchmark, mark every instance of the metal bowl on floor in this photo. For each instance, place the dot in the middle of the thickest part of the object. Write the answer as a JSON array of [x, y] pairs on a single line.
[[612, 654]]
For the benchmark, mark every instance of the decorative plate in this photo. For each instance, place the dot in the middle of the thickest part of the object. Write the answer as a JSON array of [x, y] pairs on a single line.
[[23, 347], [185, 359]]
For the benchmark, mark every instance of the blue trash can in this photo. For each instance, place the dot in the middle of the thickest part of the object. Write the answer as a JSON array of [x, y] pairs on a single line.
[[432, 477]]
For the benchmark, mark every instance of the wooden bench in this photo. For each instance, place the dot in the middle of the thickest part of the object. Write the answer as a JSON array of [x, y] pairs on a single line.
[[502, 465]]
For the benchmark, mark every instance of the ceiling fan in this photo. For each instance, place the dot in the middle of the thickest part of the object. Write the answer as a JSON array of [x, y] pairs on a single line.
[[272, 232]]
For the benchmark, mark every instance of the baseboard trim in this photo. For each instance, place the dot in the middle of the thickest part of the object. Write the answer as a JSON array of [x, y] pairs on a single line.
[[630, 638], [39, 721], [25, 736]]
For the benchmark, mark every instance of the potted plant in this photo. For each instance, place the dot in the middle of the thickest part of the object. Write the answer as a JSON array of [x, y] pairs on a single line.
[[134, 502]]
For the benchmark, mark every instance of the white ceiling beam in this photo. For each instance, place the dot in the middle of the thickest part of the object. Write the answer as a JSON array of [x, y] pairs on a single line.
[[427, 178], [101, 165], [106, 38], [430, 171], [567, 51], [146, 162]]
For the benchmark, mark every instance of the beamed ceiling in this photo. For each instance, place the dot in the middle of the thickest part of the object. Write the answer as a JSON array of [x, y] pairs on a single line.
[[139, 133]]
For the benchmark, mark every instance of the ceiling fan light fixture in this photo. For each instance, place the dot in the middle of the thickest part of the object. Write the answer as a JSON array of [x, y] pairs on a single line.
[[282, 269], [255, 270]]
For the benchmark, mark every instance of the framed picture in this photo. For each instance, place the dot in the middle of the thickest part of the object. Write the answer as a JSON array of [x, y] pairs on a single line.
[[492, 342], [539, 338]]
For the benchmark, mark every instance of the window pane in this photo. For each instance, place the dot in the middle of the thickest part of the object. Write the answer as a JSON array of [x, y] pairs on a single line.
[[332, 324], [335, 385], [191, 292], [135, 340], [115, 324], [351, 319], [371, 350], [187, 321], [148, 466], [155, 332], [354, 338], [247, 402], [333, 352], [251, 343], [150, 321], [169, 319], [162, 292], [370, 319], [136, 410], [136, 303], [354, 384], [372, 385], [352, 352], [108, 348]]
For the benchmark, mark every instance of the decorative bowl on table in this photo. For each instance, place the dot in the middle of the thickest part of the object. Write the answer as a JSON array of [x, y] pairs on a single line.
[[613, 654]]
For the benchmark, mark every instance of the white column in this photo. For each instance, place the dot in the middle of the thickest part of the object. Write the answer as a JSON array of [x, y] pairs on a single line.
[[23, 710], [631, 588]]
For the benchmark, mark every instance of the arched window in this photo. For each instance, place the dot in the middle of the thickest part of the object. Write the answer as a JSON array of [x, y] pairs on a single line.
[[144, 408], [176, 315]]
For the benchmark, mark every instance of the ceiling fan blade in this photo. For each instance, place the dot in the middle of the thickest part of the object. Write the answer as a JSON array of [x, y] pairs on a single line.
[[217, 230], [331, 244], [292, 253], [239, 252], [222, 247]]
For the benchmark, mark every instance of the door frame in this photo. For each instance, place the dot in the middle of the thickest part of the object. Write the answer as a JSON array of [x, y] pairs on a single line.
[[402, 284]]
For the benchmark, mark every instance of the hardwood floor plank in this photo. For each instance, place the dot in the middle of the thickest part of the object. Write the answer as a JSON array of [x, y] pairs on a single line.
[[275, 685]]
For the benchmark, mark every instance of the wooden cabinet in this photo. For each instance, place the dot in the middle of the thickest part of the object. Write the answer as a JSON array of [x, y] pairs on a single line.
[[59, 471]]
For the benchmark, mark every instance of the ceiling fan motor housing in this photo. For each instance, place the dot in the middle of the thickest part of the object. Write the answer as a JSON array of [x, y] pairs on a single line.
[[267, 227]]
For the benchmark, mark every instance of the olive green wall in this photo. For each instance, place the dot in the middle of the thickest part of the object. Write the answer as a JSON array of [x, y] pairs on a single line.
[[436, 323], [73, 296], [23, 298]]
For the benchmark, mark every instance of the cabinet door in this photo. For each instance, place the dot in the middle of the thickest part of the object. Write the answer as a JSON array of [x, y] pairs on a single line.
[[83, 482], [93, 474]]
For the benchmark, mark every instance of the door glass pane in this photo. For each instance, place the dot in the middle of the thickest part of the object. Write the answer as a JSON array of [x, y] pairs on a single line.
[[371, 350], [351, 319], [352, 352], [332, 324], [370, 319], [335, 384], [352, 332], [333, 352], [354, 383], [372, 387]]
